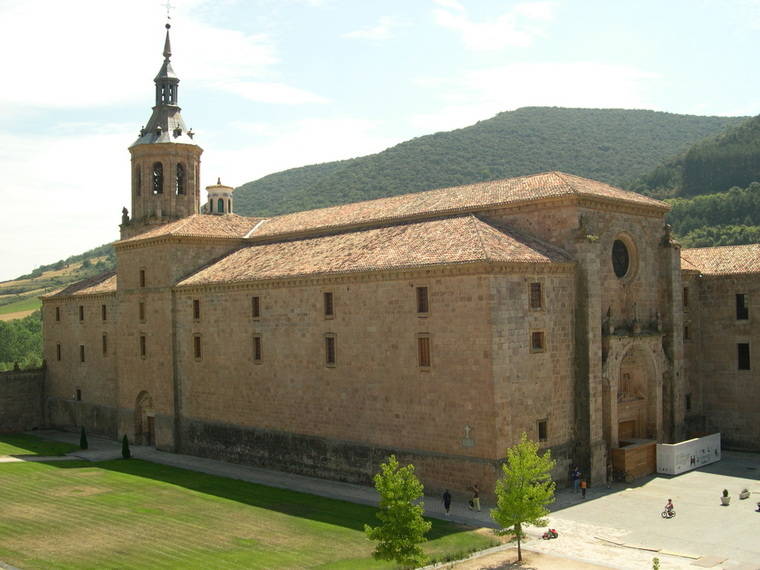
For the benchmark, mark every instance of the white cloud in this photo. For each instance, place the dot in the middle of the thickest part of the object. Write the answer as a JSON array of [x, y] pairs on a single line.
[[515, 27], [478, 94], [383, 30], [263, 92], [78, 54]]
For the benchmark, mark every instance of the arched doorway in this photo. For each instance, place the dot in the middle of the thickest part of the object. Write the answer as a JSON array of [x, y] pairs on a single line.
[[145, 417], [636, 396]]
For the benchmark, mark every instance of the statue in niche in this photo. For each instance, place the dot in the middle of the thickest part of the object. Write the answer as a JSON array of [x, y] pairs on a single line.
[[467, 441], [607, 327], [124, 216], [658, 321], [635, 326]]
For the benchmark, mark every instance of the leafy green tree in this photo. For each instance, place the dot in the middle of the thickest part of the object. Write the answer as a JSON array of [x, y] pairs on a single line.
[[524, 489], [403, 528], [83, 439]]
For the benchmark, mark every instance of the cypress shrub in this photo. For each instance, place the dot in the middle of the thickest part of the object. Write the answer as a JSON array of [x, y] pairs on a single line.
[[83, 439], [125, 453]]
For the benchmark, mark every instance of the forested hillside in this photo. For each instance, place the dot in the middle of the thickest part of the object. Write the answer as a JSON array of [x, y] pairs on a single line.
[[611, 145], [713, 165], [726, 218]]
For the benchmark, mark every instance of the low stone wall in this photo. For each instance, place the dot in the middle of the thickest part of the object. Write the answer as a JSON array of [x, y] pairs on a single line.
[[70, 415], [21, 400], [330, 459]]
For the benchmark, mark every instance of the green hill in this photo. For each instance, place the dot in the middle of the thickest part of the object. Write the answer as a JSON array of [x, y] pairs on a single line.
[[611, 145], [720, 162]]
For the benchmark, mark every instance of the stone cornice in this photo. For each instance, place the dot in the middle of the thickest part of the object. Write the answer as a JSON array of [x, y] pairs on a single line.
[[179, 239], [369, 275], [87, 296]]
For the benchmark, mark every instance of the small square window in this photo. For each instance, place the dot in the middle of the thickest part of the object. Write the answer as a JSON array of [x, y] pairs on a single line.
[[103, 313], [536, 296], [57, 313], [742, 349], [330, 350], [537, 341], [255, 307], [81, 313], [196, 309], [197, 346], [81, 353], [58, 352], [142, 278], [257, 349], [141, 311], [423, 351], [105, 344], [423, 307], [328, 302], [542, 430], [742, 307], [143, 346]]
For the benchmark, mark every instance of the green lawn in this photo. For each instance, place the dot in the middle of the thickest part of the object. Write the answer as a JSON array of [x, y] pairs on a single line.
[[135, 514], [30, 304], [20, 444]]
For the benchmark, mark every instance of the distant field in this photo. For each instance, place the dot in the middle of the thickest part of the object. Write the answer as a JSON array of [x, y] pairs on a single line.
[[135, 514], [29, 305]]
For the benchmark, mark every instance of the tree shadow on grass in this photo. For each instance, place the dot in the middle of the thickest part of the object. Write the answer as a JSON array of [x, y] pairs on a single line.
[[303, 505]]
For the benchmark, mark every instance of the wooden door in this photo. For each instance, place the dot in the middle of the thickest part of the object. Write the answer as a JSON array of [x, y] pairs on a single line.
[[151, 431]]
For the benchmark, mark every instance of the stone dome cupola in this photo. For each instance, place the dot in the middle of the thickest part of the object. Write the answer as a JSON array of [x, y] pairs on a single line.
[[219, 198]]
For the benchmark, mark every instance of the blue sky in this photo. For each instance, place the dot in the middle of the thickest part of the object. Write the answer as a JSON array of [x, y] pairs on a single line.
[[274, 84]]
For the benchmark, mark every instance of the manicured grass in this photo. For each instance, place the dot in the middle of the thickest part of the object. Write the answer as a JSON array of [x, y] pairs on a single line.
[[29, 304], [135, 514], [22, 444]]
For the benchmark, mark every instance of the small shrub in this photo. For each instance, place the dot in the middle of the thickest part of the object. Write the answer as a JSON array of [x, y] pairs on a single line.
[[125, 453], [83, 439], [725, 492]]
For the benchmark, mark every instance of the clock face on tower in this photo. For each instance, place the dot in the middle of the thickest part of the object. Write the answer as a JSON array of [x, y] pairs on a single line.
[[620, 258]]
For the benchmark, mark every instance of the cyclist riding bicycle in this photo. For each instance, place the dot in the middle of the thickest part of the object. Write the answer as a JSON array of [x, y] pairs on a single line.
[[669, 507]]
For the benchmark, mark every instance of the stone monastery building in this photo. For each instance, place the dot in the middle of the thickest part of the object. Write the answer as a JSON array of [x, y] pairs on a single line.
[[437, 325]]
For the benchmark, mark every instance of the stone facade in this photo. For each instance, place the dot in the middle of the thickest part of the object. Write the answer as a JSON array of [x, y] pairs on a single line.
[[21, 400], [438, 326]]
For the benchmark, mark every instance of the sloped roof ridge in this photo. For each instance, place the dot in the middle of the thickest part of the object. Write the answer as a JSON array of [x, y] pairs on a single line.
[[474, 221]]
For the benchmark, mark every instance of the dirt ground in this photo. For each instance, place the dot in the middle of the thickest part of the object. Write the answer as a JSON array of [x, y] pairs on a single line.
[[531, 561], [18, 315]]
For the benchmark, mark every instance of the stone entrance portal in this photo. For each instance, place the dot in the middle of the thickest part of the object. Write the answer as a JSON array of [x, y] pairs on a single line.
[[145, 430]]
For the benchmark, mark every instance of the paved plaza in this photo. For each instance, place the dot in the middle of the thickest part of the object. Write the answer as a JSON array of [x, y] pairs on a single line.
[[617, 527]]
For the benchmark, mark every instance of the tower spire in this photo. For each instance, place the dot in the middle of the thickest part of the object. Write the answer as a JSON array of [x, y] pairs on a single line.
[[167, 44]]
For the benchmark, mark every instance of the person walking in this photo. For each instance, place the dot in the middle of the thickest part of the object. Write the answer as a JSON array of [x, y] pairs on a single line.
[[575, 475], [475, 501], [583, 488], [446, 501]]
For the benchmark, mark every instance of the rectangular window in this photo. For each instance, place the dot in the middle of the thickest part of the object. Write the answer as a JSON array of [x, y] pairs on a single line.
[[686, 333], [78, 395], [103, 313], [255, 307], [57, 313], [330, 350], [197, 346], [685, 297], [742, 307], [537, 341], [423, 351], [328, 299], [58, 352], [141, 311], [688, 402], [81, 353], [257, 349], [742, 350], [142, 346], [81, 312], [536, 296], [196, 309], [142, 278], [542, 431], [105, 344], [422, 300]]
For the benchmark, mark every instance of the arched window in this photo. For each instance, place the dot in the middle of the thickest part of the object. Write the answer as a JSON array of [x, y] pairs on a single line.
[[138, 181], [180, 180], [158, 178], [220, 206]]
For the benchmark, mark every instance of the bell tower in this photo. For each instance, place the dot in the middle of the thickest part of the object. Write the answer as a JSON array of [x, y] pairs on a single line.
[[165, 160]]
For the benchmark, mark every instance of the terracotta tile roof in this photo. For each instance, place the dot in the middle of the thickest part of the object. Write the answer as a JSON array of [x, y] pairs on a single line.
[[103, 283], [723, 260], [472, 197], [230, 225], [461, 239]]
